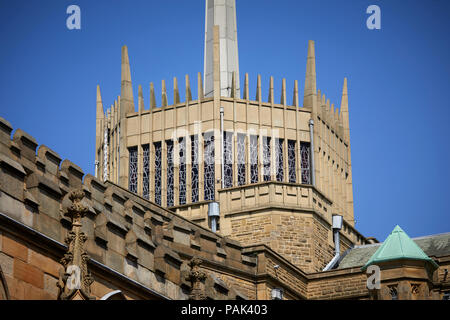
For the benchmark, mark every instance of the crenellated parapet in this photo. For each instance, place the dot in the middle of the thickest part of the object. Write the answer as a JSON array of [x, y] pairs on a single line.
[[134, 237]]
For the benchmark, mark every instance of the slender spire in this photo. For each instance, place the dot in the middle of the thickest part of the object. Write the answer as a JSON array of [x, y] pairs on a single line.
[[100, 112], [126, 88], [164, 100], [344, 111], [152, 96], [258, 88], [283, 92], [221, 13], [246, 93], [188, 90], [310, 79], [176, 93], [271, 95], [200, 86], [233, 86], [141, 99], [295, 96]]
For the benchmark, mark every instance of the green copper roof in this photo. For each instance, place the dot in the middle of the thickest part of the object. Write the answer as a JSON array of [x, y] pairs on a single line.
[[398, 246]]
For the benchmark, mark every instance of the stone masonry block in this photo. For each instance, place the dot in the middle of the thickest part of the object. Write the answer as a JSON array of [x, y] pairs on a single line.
[[14, 248], [28, 273], [44, 263]]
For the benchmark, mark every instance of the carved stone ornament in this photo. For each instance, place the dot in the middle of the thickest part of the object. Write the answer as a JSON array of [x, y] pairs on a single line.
[[196, 276], [74, 279]]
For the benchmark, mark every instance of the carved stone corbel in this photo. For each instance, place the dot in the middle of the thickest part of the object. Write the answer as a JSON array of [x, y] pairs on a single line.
[[196, 277]]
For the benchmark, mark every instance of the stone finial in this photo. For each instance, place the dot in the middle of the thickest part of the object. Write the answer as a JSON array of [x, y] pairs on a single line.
[[152, 96], [196, 277], [74, 279], [126, 88], [258, 89], [164, 100], [176, 92], [310, 78], [246, 91], [188, 89], [141, 105]]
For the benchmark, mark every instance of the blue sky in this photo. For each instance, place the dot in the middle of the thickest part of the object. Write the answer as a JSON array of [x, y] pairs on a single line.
[[398, 77]]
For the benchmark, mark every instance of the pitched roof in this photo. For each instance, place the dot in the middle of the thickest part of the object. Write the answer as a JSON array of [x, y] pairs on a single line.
[[437, 245]]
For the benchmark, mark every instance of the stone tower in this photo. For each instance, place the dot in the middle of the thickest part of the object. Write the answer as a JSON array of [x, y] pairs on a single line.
[[279, 170], [223, 14]]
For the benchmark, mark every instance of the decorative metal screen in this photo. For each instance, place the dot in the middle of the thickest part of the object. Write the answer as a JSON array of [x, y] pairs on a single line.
[[182, 172], [279, 159], [241, 159], [170, 174], [158, 167], [132, 173], [266, 158], [291, 161], [253, 159], [305, 151], [209, 166], [146, 171], [194, 169], [228, 159]]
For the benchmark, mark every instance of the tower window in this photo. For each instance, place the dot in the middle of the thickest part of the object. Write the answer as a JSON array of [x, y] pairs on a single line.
[[279, 159], [158, 166], [228, 159], [170, 174], [194, 168], [241, 159], [253, 159], [133, 154], [291, 161], [305, 156], [209, 171], [266, 158], [182, 172], [146, 171]]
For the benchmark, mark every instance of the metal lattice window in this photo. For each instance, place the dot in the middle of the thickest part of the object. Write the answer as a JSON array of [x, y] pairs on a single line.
[[291, 161], [158, 170], [194, 169], [305, 151], [146, 171], [266, 158], [182, 172], [132, 173], [279, 159], [228, 159], [209, 171], [170, 174], [253, 159], [241, 159]]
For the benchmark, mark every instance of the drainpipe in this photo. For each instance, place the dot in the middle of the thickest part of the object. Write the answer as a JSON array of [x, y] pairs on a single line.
[[213, 214], [311, 133], [96, 168], [337, 226], [221, 147]]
